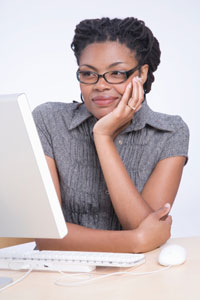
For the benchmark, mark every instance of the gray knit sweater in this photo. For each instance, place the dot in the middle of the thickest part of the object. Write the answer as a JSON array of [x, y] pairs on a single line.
[[65, 130]]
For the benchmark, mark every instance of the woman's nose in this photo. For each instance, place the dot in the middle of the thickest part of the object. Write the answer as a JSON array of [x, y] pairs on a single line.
[[102, 84]]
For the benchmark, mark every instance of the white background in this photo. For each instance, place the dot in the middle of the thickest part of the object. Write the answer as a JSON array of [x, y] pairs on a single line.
[[36, 58]]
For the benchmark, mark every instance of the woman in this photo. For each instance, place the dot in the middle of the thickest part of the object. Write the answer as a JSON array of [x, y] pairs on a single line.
[[116, 165]]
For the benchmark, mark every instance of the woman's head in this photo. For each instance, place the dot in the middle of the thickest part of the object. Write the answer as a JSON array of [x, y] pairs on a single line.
[[129, 32]]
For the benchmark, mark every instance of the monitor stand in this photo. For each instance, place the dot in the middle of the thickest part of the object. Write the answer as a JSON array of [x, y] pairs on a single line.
[[5, 281]]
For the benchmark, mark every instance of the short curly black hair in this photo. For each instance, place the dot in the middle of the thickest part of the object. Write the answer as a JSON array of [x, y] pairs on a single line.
[[129, 31]]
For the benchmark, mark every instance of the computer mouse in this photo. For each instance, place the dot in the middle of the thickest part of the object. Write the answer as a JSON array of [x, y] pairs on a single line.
[[172, 255]]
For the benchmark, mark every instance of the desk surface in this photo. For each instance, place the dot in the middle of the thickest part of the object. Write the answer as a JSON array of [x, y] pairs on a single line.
[[177, 283]]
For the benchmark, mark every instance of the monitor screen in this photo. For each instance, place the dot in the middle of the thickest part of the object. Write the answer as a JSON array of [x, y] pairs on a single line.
[[29, 206]]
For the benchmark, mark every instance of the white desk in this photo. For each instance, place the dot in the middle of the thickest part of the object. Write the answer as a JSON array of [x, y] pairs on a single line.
[[177, 283]]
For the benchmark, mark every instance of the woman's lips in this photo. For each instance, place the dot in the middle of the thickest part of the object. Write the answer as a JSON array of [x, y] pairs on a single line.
[[104, 101]]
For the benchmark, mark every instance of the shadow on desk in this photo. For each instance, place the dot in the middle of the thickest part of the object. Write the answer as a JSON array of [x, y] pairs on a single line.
[[7, 242]]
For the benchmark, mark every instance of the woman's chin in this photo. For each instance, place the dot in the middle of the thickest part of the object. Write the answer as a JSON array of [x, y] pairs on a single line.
[[102, 113]]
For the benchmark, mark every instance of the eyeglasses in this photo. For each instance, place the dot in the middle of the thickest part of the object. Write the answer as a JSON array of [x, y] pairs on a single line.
[[112, 77]]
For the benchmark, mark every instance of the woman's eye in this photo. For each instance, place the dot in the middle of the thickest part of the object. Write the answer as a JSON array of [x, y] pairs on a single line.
[[86, 74], [119, 74], [116, 73]]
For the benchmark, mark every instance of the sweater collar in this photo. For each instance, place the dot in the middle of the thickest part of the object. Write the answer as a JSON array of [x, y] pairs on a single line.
[[81, 114], [145, 116]]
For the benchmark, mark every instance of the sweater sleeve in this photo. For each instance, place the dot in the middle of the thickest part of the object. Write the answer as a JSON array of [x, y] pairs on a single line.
[[40, 116], [177, 143]]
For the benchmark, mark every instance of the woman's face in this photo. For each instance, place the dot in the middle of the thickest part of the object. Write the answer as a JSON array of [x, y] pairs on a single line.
[[101, 98]]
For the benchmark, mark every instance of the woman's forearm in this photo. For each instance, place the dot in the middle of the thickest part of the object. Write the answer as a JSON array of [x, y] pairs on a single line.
[[80, 238], [151, 233], [129, 205]]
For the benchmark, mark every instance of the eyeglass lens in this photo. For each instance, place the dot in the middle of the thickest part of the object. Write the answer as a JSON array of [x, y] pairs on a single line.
[[110, 77]]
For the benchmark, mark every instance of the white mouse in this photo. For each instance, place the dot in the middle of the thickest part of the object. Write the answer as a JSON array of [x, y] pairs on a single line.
[[172, 255]]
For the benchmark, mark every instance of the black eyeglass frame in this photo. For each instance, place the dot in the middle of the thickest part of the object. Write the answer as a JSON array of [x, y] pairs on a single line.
[[127, 73]]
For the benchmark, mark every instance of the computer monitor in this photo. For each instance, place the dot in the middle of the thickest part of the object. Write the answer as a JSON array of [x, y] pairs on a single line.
[[29, 206]]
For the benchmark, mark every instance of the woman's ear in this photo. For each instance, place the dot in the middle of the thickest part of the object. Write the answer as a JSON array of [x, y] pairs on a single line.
[[143, 72]]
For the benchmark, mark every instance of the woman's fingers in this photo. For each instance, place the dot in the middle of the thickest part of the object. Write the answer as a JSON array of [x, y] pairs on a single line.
[[141, 90], [163, 211], [133, 97], [153, 230], [127, 94], [137, 94]]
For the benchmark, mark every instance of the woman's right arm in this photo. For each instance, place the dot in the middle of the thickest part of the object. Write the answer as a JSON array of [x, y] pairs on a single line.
[[151, 233]]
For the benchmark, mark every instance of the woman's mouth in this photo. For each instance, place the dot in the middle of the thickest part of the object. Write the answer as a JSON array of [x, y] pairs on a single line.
[[104, 100]]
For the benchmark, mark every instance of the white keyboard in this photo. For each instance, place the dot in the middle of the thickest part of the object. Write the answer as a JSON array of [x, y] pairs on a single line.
[[67, 261]]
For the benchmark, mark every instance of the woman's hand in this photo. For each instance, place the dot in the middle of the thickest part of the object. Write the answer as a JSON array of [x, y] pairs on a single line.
[[154, 231], [111, 124]]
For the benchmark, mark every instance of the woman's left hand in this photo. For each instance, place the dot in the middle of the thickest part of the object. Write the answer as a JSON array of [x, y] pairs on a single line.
[[111, 124]]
